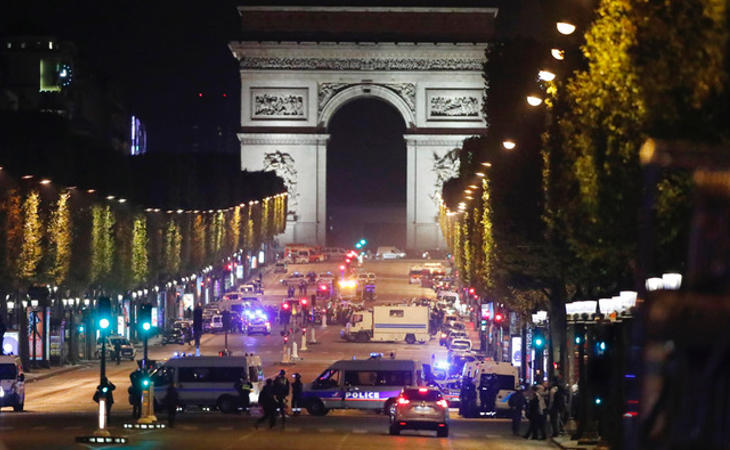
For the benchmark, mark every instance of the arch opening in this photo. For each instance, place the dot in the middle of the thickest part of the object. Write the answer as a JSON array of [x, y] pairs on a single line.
[[366, 174]]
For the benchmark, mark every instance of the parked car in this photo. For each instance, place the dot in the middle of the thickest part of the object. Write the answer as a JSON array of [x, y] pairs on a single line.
[[173, 336], [280, 267], [420, 408]]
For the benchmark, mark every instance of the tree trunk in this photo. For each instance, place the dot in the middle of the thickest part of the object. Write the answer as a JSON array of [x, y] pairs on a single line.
[[558, 329]]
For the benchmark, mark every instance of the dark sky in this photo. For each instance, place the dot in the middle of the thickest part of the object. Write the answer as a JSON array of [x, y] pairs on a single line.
[[163, 53]]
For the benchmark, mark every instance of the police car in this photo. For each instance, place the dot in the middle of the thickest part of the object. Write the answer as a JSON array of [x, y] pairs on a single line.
[[12, 383], [369, 384]]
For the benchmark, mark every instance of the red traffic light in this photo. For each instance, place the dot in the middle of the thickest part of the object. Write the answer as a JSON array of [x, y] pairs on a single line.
[[303, 302], [472, 290], [342, 267], [322, 287], [347, 260], [285, 305], [498, 317]]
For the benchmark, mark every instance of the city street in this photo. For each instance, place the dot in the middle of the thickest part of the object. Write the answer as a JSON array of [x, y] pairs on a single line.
[[62, 407]]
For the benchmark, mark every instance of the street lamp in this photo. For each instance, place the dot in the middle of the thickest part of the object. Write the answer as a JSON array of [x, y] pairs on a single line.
[[509, 144], [654, 284], [557, 54], [565, 28], [546, 75], [672, 281], [533, 100]]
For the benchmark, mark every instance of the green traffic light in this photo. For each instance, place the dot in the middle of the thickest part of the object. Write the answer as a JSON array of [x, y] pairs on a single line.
[[538, 342], [146, 382], [578, 340], [358, 245], [598, 400], [81, 328], [146, 326], [362, 242], [104, 323]]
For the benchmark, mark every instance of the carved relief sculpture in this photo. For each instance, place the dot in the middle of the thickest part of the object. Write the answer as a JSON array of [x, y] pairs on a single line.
[[284, 166], [453, 104], [426, 64], [406, 91], [284, 104], [445, 167]]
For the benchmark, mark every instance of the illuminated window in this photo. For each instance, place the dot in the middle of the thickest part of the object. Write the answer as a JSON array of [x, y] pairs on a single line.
[[50, 45]]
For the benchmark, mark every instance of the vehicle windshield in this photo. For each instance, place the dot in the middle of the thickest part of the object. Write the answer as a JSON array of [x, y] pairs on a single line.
[[121, 341], [8, 372]]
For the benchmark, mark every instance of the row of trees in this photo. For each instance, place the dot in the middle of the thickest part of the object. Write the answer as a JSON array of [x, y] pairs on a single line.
[[558, 218], [69, 237]]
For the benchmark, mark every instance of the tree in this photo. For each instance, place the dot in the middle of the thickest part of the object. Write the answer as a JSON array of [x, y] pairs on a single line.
[[13, 232], [197, 252], [31, 251], [60, 239], [139, 250], [173, 243], [102, 243]]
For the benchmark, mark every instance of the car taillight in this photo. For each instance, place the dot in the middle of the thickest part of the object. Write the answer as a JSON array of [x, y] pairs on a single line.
[[403, 401], [422, 390], [443, 403]]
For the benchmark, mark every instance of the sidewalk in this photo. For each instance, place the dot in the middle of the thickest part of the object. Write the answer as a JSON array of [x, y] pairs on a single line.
[[564, 442], [42, 374]]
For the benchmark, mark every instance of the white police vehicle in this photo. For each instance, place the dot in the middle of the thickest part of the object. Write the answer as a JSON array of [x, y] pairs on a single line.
[[209, 381], [369, 384]]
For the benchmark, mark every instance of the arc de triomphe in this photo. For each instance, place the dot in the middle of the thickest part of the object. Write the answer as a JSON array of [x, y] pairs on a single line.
[[299, 65]]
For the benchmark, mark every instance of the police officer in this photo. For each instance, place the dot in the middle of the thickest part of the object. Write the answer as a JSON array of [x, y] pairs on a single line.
[[281, 392], [243, 387], [296, 394], [517, 403]]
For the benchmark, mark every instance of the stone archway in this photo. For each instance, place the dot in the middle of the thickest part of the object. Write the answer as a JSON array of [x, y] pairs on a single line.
[[291, 90]]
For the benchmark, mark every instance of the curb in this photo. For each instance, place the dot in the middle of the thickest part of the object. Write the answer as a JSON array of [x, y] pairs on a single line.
[[570, 445], [43, 376]]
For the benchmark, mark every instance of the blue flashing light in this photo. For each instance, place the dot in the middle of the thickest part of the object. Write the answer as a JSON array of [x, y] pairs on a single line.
[[441, 365], [629, 375]]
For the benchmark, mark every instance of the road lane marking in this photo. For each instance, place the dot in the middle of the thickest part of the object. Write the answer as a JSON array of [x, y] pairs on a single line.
[[360, 431]]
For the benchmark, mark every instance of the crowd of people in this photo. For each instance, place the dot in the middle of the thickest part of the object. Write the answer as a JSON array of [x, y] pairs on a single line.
[[543, 404]]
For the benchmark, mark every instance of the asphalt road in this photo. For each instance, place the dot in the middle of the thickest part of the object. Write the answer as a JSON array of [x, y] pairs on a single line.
[[61, 407]]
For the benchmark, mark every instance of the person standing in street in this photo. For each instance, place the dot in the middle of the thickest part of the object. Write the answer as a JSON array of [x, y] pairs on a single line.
[[281, 392], [172, 398], [516, 405], [268, 404], [117, 351], [535, 415], [296, 395], [135, 393]]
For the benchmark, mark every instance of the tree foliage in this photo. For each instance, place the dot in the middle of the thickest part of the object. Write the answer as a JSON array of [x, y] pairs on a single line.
[[60, 239], [31, 250], [140, 261]]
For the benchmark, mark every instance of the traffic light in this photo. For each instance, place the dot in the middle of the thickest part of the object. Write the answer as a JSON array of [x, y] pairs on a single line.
[[538, 339], [103, 313], [145, 318], [226, 320], [472, 291], [498, 317], [304, 301], [483, 324]]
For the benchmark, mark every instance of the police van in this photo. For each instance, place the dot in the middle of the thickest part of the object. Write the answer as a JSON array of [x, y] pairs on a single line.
[[494, 382], [369, 384], [209, 381], [12, 383]]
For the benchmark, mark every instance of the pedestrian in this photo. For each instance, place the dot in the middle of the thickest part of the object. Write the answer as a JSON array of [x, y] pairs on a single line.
[[296, 395], [542, 404], [243, 387], [281, 392], [135, 393], [535, 411], [117, 351], [172, 398], [268, 404], [516, 404]]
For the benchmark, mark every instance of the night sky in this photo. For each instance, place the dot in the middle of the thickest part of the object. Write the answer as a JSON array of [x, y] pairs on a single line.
[[164, 54]]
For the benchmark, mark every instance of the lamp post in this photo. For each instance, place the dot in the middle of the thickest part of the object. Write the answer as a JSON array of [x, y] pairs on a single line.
[[34, 324]]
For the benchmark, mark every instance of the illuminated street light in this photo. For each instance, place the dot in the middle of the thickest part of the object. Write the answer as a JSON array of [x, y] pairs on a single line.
[[473, 186], [509, 144], [546, 75], [122, 200], [90, 191], [487, 164], [45, 181], [26, 177], [480, 174], [469, 197], [558, 54], [110, 197], [467, 191], [565, 28], [533, 100]]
